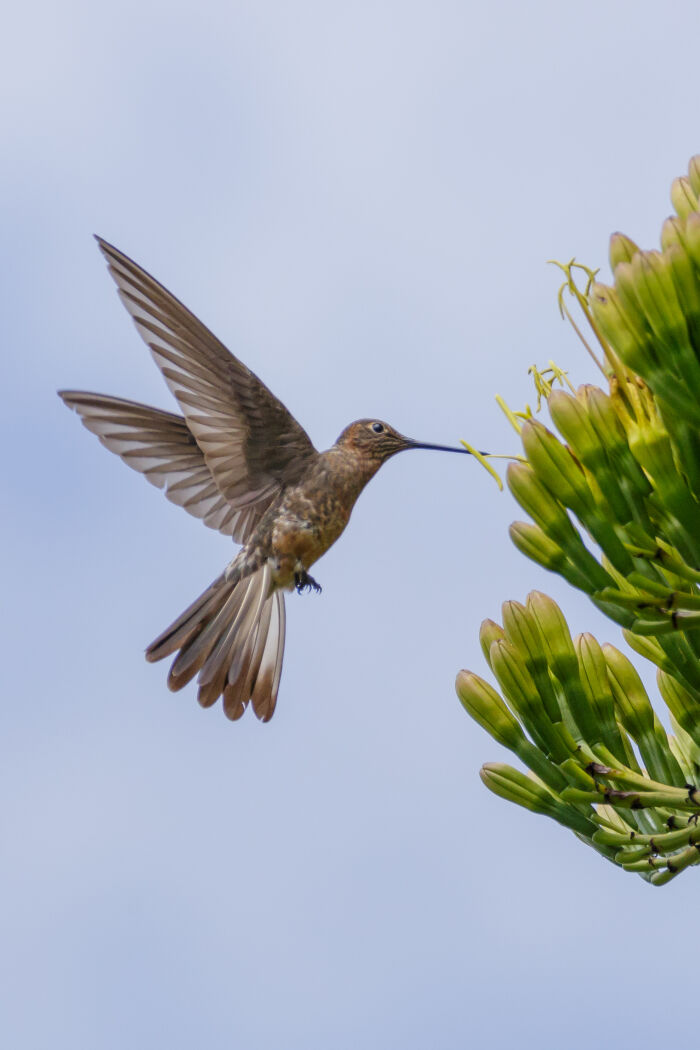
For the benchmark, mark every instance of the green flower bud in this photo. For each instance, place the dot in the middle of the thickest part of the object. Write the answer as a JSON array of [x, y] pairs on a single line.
[[667, 290], [520, 691], [554, 631], [685, 282], [541, 505], [672, 232], [631, 700], [612, 435], [684, 432], [600, 411], [683, 198], [626, 287], [687, 288], [683, 705], [692, 238], [676, 775], [651, 446], [621, 320], [489, 632], [655, 291], [622, 249], [485, 706], [523, 633], [594, 677], [562, 659], [571, 419], [690, 749], [534, 544], [681, 744], [516, 787], [624, 330], [694, 174], [552, 518], [556, 467], [637, 716], [649, 648], [641, 327]]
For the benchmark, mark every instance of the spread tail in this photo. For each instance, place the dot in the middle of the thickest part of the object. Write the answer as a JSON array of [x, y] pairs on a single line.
[[232, 637]]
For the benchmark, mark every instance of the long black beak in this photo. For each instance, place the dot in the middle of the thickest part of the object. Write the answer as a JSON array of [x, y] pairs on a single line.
[[438, 448]]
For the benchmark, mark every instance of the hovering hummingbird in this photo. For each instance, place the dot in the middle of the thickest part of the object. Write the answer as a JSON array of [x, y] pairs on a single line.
[[239, 461]]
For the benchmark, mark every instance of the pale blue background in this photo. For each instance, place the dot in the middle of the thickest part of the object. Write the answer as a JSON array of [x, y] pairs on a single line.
[[360, 200]]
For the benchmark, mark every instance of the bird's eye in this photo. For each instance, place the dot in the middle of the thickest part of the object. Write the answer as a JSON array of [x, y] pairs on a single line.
[[378, 428]]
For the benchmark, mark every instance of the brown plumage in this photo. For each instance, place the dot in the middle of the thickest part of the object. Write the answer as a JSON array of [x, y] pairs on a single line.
[[239, 461]]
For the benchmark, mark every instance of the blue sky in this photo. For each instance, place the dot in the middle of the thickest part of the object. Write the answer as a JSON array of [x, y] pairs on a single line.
[[360, 201]]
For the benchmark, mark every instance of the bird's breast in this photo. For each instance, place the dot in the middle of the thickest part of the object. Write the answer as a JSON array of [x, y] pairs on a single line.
[[308, 536], [309, 520]]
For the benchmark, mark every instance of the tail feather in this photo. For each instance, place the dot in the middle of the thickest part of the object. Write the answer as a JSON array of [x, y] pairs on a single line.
[[267, 679], [229, 659], [194, 655], [243, 671], [177, 634], [261, 634], [232, 637]]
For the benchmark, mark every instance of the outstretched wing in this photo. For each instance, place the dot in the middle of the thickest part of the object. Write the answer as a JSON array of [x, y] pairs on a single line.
[[251, 444], [160, 446]]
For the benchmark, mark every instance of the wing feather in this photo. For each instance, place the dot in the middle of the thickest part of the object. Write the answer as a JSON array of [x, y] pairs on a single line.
[[252, 445], [161, 447]]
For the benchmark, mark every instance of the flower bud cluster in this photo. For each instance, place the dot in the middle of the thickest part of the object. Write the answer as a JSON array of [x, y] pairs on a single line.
[[599, 760], [614, 503]]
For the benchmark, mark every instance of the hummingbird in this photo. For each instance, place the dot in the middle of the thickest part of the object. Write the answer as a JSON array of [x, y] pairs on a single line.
[[237, 459]]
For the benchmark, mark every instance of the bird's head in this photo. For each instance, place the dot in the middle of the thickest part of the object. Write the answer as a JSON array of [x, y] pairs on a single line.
[[376, 441]]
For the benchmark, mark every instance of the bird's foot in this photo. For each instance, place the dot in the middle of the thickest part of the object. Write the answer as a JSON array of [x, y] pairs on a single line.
[[304, 582]]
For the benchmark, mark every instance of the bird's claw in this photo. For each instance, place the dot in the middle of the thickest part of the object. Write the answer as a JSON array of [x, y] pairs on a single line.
[[304, 582]]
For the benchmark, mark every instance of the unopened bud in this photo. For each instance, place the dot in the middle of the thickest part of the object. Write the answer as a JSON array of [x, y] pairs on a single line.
[[517, 787], [684, 707], [489, 632], [692, 237], [683, 198], [622, 249], [672, 232], [623, 329], [694, 174], [636, 712], [594, 676], [486, 707], [556, 467], [540, 504]]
